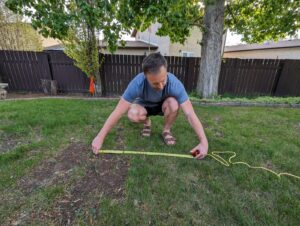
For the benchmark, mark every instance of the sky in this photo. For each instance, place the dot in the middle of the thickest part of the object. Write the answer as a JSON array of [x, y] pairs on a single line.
[[232, 39]]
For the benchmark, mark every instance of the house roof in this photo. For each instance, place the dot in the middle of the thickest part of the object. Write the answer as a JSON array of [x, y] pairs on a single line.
[[267, 45], [54, 47], [128, 45], [137, 44], [46, 42]]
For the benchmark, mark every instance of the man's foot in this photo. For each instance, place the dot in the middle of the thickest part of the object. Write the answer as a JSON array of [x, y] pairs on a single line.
[[168, 138], [146, 131]]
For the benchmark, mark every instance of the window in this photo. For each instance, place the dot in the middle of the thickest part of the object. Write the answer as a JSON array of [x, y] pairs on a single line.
[[187, 54]]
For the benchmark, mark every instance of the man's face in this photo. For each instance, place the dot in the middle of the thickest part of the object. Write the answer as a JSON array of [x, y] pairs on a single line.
[[158, 80]]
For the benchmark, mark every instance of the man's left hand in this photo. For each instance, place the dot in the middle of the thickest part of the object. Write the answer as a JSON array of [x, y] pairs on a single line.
[[200, 151]]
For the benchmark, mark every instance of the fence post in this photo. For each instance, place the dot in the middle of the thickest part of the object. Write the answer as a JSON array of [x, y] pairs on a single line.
[[186, 72], [102, 72], [190, 64], [277, 77], [49, 63], [2, 75]]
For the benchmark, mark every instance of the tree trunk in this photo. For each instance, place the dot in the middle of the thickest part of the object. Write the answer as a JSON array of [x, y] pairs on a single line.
[[98, 84], [92, 47], [207, 85]]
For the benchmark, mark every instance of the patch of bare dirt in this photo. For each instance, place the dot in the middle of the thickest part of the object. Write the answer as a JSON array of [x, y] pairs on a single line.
[[269, 165], [218, 118], [297, 127], [219, 134], [205, 124], [9, 142], [104, 176], [108, 170], [54, 170]]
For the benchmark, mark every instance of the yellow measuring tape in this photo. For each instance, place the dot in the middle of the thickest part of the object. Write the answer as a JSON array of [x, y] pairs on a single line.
[[215, 155]]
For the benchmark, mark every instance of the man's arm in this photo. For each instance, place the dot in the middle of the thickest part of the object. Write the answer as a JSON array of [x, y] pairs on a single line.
[[114, 117], [198, 128]]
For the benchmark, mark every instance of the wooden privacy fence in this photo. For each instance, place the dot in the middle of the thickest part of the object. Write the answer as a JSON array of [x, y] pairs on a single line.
[[118, 70], [69, 78], [24, 71], [289, 79], [249, 76]]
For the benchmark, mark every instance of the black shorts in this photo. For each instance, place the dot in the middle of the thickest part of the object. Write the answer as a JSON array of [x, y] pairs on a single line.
[[154, 110]]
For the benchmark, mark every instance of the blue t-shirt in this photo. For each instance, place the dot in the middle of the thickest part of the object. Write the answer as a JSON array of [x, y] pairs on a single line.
[[140, 91]]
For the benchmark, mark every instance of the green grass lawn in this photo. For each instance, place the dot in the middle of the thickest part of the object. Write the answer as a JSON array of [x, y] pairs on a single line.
[[42, 140], [248, 99]]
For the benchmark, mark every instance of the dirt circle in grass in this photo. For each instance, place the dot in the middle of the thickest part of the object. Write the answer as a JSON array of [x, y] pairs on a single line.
[[100, 176]]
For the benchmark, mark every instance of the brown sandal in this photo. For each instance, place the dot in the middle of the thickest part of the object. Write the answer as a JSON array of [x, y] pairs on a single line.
[[167, 140], [146, 131]]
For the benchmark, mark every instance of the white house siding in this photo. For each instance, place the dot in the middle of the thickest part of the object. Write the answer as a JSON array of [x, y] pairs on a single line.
[[162, 42], [191, 45], [166, 48], [130, 51]]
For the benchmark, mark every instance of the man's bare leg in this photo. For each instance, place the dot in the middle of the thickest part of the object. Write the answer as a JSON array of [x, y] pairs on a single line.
[[170, 109], [138, 114]]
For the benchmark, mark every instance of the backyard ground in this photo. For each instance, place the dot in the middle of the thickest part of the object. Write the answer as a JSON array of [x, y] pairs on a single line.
[[49, 176]]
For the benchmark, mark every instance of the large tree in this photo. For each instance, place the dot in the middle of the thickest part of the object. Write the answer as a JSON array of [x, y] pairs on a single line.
[[210, 66], [255, 20]]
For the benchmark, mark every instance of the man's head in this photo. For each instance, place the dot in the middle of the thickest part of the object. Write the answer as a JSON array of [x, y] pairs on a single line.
[[155, 70]]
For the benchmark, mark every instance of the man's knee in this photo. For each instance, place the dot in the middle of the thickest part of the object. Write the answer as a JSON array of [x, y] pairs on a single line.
[[135, 115], [170, 105]]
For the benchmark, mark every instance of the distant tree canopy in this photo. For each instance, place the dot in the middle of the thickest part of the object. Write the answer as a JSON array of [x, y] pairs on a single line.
[[76, 23], [15, 34], [255, 20], [262, 20]]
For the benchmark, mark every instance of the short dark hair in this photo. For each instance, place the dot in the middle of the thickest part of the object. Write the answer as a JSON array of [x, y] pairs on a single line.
[[153, 62]]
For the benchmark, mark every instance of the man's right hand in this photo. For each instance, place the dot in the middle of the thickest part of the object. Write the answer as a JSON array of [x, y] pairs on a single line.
[[114, 117], [96, 145]]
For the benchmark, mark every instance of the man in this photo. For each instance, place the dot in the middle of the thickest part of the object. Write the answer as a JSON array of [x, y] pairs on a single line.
[[155, 92]]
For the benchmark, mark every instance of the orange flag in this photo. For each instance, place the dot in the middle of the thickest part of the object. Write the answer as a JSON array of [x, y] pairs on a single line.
[[92, 86]]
